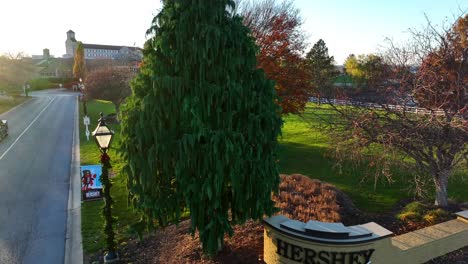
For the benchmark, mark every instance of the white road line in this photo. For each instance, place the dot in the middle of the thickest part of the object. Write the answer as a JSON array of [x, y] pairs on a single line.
[[27, 128]]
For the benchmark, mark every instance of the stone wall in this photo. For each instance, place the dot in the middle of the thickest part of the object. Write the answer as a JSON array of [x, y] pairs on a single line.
[[292, 242]]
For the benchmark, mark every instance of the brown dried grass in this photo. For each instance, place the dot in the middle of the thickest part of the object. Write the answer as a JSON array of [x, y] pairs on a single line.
[[302, 198]]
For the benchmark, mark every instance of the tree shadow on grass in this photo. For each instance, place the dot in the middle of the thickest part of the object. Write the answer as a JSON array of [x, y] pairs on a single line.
[[310, 160]]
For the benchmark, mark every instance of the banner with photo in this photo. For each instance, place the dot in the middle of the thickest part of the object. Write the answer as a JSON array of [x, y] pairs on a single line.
[[91, 187]]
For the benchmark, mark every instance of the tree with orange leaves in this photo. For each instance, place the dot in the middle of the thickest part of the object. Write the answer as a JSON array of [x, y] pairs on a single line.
[[433, 69], [443, 77], [276, 28]]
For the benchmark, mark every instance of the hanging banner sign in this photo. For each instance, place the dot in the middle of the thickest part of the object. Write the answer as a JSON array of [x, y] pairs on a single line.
[[91, 187]]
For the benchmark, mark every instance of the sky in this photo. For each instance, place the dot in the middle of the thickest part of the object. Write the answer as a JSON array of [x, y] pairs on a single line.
[[346, 26]]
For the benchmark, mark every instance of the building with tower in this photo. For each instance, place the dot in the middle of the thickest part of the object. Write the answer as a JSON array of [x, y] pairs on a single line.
[[96, 55], [98, 51], [70, 44]]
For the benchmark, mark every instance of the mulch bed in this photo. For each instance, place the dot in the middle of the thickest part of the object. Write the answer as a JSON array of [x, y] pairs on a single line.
[[175, 245]]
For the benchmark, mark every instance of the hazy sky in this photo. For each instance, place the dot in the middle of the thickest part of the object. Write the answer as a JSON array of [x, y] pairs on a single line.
[[347, 26]]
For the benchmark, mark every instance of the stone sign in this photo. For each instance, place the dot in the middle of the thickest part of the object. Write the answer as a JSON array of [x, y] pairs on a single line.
[[291, 241]]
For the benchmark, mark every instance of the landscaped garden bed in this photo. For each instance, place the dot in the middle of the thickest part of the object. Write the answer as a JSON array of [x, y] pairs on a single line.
[[300, 198]]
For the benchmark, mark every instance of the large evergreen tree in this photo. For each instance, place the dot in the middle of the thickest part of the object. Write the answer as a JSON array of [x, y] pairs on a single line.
[[79, 68], [200, 130], [321, 68]]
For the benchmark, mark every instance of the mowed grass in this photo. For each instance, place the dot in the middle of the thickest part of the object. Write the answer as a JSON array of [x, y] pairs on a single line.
[[302, 148], [91, 218], [6, 105]]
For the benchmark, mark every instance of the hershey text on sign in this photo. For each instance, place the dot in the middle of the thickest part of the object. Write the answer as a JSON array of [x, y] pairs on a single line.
[[91, 187], [93, 194], [289, 241], [311, 256]]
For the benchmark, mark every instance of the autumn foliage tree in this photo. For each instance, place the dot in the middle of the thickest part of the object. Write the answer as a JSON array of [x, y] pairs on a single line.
[[15, 70], [79, 67], [276, 27], [366, 71], [435, 137], [442, 80], [109, 83]]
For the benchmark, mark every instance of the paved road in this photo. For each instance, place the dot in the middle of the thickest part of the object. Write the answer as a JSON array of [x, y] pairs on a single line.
[[34, 179]]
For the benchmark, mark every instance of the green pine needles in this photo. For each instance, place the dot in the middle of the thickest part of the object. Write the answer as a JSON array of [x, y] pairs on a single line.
[[200, 130]]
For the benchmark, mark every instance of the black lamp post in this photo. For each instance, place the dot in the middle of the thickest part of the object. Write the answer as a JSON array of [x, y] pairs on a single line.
[[103, 136], [83, 92]]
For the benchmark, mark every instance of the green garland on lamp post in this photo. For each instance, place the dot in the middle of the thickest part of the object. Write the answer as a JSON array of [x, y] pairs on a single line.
[[83, 97], [103, 136]]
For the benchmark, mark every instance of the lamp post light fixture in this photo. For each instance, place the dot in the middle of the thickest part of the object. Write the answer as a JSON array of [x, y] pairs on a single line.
[[103, 136]]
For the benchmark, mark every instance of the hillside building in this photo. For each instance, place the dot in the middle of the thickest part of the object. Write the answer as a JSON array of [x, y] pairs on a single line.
[[98, 51]]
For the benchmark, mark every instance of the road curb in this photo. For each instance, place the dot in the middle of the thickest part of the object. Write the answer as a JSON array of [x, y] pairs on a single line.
[[74, 241]]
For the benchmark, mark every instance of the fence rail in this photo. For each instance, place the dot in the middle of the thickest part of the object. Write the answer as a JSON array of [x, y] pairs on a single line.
[[411, 109]]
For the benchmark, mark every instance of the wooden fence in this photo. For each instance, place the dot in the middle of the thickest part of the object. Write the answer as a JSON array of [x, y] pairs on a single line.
[[411, 109]]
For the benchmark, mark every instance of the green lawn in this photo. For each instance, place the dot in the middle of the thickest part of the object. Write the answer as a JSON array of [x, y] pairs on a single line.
[[302, 146], [91, 219], [302, 151], [6, 105]]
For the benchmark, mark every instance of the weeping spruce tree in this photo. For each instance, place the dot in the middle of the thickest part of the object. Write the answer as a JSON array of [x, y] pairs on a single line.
[[200, 130]]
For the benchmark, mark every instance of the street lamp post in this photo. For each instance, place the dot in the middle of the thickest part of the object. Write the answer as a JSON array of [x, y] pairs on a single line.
[[103, 136], [26, 88], [83, 92], [86, 120]]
